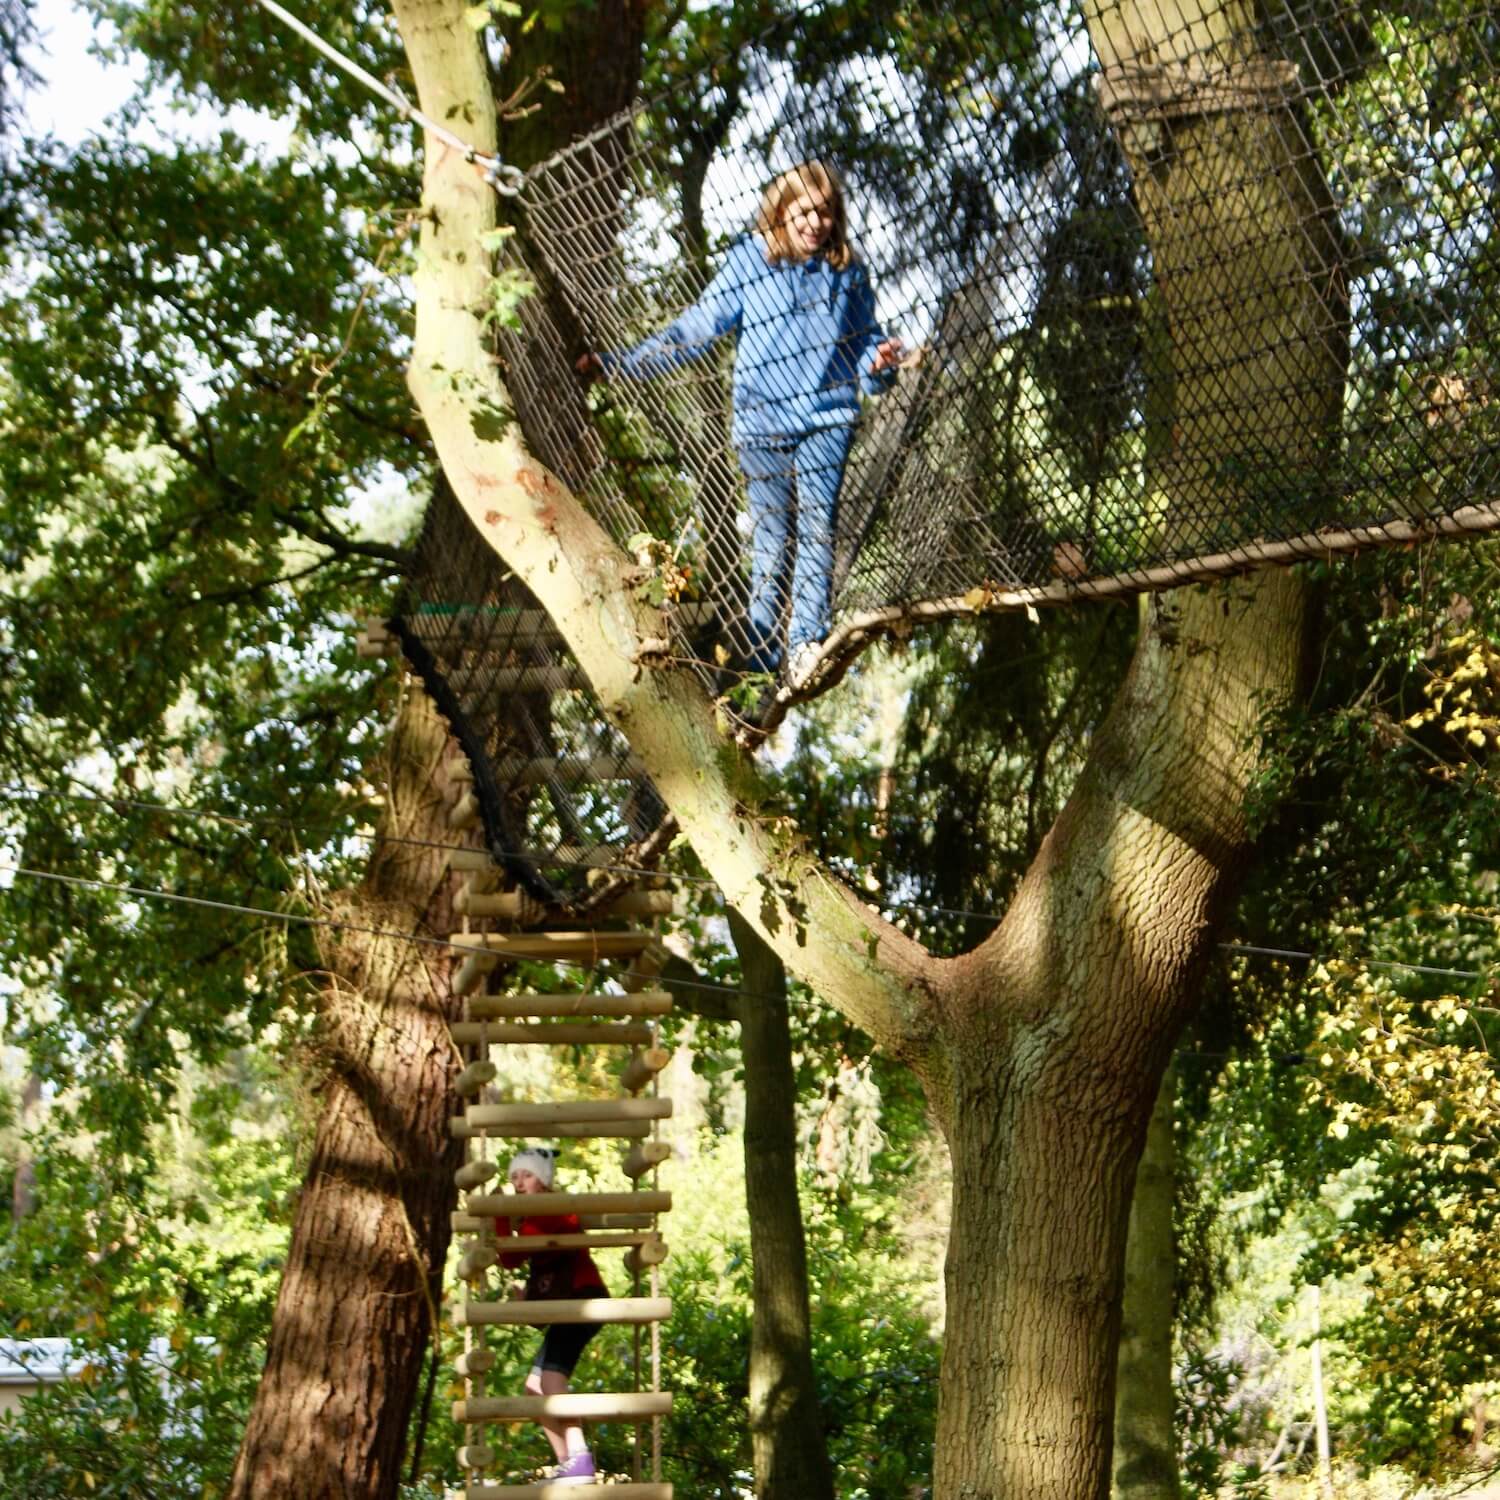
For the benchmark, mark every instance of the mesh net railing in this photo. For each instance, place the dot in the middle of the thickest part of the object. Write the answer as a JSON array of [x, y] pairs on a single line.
[[1156, 312], [1166, 313]]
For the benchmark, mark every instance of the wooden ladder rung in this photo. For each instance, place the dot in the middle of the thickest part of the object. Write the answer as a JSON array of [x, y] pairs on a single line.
[[568, 1112], [465, 811], [642, 1003], [520, 906], [550, 1490], [544, 946], [464, 1223], [550, 1034], [522, 1314], [473, 861], [576, 1406], [642, 1069], [470, 973], [644, 1158], [605, 1240], [588, 1130], [533, 1205]]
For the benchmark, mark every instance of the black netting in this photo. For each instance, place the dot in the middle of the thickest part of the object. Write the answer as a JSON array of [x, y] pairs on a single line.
[[560, 796], [1167, 313]]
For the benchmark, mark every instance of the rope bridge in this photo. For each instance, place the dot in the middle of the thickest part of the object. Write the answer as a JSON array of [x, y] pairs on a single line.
[[1164, 319]]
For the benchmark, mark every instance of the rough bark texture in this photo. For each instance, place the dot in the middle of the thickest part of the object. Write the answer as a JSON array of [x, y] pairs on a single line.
[[1042, 1050], [1059, 1034], [1145, 1465], [353, 1316], [786, 1426]]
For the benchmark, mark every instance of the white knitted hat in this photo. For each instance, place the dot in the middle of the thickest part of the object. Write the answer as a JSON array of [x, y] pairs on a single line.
[[540, 1161]]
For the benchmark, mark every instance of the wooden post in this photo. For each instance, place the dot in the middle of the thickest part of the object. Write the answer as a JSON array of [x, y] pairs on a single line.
[[642, 1068], [645, 1157]]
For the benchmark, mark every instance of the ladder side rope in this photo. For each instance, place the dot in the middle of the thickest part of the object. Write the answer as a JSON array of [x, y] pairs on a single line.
[[635, 1118]]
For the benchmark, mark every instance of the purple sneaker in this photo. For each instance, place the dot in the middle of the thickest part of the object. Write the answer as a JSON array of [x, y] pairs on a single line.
[[579, 1469]]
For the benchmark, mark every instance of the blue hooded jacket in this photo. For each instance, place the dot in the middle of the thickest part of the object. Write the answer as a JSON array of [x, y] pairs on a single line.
[[806, 336]]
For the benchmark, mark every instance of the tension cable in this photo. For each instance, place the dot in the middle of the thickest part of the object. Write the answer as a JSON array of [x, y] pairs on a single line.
[[506, 179]]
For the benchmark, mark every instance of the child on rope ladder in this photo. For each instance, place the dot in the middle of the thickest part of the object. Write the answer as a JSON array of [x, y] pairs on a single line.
[[554, 1274], [803, 310]]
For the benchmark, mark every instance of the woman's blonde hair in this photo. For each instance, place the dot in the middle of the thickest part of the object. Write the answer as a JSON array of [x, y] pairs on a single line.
[[810, 177]]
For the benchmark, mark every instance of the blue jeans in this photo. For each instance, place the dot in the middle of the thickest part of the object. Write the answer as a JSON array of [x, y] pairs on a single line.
[[792, 482]]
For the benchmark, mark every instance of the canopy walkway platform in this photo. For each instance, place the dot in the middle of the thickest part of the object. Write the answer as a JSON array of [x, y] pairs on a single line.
[[1167, 318]]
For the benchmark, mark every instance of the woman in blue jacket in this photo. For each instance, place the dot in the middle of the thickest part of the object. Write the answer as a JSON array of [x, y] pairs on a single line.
[[807, 345]]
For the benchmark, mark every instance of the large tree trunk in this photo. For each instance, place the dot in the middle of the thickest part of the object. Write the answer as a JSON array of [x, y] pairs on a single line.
[[353, 1317], [362, 1284], [1041, 1051], [1145, 1464], [1061, 1026], [786, 1426], [28, 1117]]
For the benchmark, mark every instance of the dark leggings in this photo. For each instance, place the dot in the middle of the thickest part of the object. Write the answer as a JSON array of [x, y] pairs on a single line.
[[562, 1344]]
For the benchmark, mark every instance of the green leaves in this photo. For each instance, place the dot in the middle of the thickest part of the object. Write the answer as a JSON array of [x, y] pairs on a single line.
[[508, 289]]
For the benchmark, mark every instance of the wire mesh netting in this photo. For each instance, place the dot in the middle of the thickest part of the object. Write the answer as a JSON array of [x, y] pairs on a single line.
[[1164, 311]]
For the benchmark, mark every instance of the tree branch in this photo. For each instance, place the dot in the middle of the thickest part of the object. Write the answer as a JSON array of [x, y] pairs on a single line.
[[318, 529], [878, 976]]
